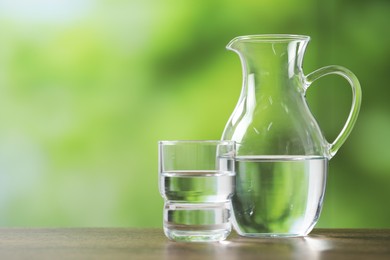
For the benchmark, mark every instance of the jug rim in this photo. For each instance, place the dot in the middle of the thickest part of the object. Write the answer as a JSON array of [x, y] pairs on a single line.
[[269, 38]]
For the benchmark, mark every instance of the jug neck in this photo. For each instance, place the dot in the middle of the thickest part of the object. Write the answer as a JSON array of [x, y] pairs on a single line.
[[270, 61]]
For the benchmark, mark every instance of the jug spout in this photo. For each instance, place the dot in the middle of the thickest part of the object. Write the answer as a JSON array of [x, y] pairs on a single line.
[[277, 54]]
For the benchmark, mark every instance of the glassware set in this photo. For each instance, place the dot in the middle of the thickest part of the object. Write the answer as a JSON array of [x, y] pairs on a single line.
[[267, 174]]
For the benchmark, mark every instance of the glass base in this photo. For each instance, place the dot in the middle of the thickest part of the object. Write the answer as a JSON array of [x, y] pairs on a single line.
[[197, 222], [197, 236]]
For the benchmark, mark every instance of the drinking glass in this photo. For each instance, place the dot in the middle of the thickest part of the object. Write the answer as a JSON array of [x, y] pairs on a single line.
[[196, 180]]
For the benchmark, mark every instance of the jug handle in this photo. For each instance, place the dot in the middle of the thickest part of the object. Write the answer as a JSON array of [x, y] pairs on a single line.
[[356, 101]]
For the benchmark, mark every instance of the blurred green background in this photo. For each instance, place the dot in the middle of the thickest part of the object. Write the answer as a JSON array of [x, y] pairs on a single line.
[[87, 88]]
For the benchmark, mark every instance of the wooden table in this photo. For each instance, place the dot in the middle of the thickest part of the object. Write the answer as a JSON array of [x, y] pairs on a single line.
[[130, 243]]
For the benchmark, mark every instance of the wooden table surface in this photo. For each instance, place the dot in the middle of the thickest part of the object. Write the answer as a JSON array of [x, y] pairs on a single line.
[[130, 243]]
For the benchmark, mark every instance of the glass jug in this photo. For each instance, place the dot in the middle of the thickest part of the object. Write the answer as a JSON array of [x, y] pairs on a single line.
[[282, 155]]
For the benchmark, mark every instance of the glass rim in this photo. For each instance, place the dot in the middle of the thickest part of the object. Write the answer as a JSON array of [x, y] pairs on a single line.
[[216, 142]]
